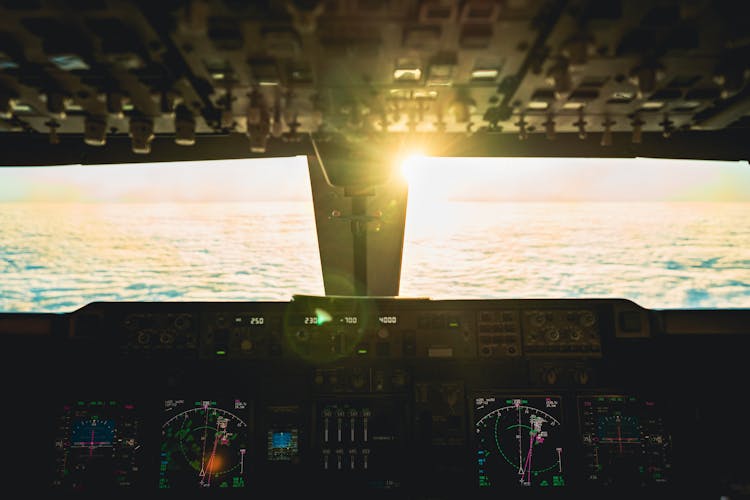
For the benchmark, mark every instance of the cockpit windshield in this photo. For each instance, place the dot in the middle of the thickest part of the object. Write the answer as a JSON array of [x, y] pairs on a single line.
[[664, 233], [199, 231]]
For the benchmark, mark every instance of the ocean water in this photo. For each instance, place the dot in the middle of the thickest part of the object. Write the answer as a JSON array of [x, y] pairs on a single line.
[[59, 257]]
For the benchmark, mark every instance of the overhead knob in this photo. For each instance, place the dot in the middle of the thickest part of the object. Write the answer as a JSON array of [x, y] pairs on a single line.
[[581, 376], [258, 122], [645, 78], [141, 134], [6, 106], [581, 124], [95, 131], [549, 127], [462, 109], [521, 124], [558, 75], [607, 134], [184, 127], [667, 126], [578, 47], [115, 100], [637, 124], [53, 126], [56, 103]]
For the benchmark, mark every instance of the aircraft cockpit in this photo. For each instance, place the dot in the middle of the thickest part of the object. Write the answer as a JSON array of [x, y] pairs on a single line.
[[408, 249]]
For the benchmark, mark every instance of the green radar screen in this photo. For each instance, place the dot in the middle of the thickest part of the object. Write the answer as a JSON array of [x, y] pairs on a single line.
[[204, 444], [518, 441]]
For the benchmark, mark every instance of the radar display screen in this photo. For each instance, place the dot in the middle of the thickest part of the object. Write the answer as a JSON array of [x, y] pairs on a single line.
[[625, 441], [518, 441], [96, 444], [204, 444]]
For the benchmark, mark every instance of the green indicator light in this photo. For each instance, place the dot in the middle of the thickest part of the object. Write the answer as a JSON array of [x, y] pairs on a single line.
[[81, 403], [544, 483], [322, 316], [361, 351], [221, 353], [453, 324]]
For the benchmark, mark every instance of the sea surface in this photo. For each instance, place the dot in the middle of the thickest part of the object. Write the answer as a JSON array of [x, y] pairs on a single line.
[[59, 257]]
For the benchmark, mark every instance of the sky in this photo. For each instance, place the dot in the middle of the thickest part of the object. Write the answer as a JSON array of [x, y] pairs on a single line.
[[471, 179]]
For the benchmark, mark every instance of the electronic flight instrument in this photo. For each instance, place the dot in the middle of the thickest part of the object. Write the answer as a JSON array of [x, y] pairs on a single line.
[[380, 397]]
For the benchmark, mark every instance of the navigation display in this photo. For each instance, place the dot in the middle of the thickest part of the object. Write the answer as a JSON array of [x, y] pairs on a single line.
[[204, 444], [518, 441]]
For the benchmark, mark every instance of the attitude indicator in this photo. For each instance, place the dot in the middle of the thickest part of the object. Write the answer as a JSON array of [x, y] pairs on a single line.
[[625, 441], [96, 445]]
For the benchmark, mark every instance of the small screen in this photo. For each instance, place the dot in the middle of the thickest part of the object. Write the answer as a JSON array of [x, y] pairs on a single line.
[[282, 445]]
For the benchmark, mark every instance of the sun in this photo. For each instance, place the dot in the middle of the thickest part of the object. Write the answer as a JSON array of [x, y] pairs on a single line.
[[412, 168]]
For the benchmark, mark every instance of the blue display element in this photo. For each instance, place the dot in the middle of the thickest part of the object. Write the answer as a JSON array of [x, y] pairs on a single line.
[[281, 439], [92, 433]]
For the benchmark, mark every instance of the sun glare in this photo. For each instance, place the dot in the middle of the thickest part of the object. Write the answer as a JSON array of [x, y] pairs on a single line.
[[574, 180], [412, 167]]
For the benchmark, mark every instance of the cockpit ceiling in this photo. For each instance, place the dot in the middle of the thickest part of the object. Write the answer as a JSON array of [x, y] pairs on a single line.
[[606, 71]]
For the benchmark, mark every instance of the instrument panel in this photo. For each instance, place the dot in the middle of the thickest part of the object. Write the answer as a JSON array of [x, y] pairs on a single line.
[[382, 397]]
